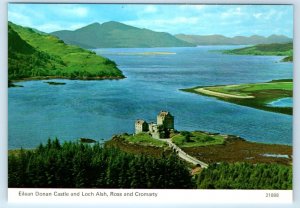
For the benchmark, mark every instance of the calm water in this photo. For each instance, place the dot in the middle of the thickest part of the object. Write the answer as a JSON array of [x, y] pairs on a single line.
[[99, 109], [283, 102]]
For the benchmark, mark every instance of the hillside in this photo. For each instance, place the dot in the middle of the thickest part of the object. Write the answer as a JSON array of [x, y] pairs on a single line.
[[237, 40], [117, 35], [33, 55], [274, 49]]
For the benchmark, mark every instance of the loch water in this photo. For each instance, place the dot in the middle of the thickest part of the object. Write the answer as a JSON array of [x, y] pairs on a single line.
[[100, 109]]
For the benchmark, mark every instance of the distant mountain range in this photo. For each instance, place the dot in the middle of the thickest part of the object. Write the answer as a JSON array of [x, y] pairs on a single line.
[[118, 35], [237, 40]]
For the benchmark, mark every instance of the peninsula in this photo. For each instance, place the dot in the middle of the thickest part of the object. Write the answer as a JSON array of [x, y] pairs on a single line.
[[255, 95], [274, 49]]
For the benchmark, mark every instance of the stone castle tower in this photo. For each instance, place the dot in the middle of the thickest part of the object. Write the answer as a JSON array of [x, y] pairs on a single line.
[[161, 129], [141, 126], [165, 119]]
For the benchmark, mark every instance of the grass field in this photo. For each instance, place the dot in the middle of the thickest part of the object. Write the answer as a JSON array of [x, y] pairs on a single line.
[[142, 146], [196, 139], [256, 95], [144, 139]]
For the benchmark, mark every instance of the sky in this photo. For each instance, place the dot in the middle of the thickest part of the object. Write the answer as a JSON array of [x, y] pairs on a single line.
[[227, 20]]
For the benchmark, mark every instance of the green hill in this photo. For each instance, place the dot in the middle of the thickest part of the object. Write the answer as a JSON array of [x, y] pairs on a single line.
[[33, 55], [274, 49], [237, 40], [117, 35]]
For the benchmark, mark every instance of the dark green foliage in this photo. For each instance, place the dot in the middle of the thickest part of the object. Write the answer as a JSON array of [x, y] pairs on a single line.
[[77, 165], [187, 135], [117, 35], [275, 47], [246, 176]]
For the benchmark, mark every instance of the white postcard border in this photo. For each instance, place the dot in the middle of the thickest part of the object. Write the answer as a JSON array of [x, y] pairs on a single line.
[[190, 196], [251, 196]]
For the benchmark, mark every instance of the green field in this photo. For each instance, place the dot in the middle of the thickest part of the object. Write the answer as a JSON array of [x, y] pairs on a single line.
[[33, 55], [274, 49], [144, 139], [196, 139], [256, 95]]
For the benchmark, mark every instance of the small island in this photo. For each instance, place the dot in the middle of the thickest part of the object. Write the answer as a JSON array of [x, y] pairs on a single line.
[[11, 84], [255, 95], [150, 53], [55, 83]]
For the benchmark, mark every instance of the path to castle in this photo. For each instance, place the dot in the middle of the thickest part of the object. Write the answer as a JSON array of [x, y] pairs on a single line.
[[184, 155]]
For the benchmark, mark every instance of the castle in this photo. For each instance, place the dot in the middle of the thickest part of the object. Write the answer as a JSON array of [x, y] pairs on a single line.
[[161, 129]]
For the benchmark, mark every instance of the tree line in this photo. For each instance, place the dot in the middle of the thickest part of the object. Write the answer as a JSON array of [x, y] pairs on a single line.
[[246, 176], [77, 165]]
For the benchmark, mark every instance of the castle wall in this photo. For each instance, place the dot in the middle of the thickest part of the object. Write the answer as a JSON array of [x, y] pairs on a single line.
[[141, 126]]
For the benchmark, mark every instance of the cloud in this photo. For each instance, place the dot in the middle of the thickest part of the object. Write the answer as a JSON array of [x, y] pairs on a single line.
[[150, 9], [232, 13], [269, 15], [51, 27], [196, 7], [71, 11], [19, 18], [162, 22], [23, 15], [170, 25], [257, 15], [180, 20], [81, 11]]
